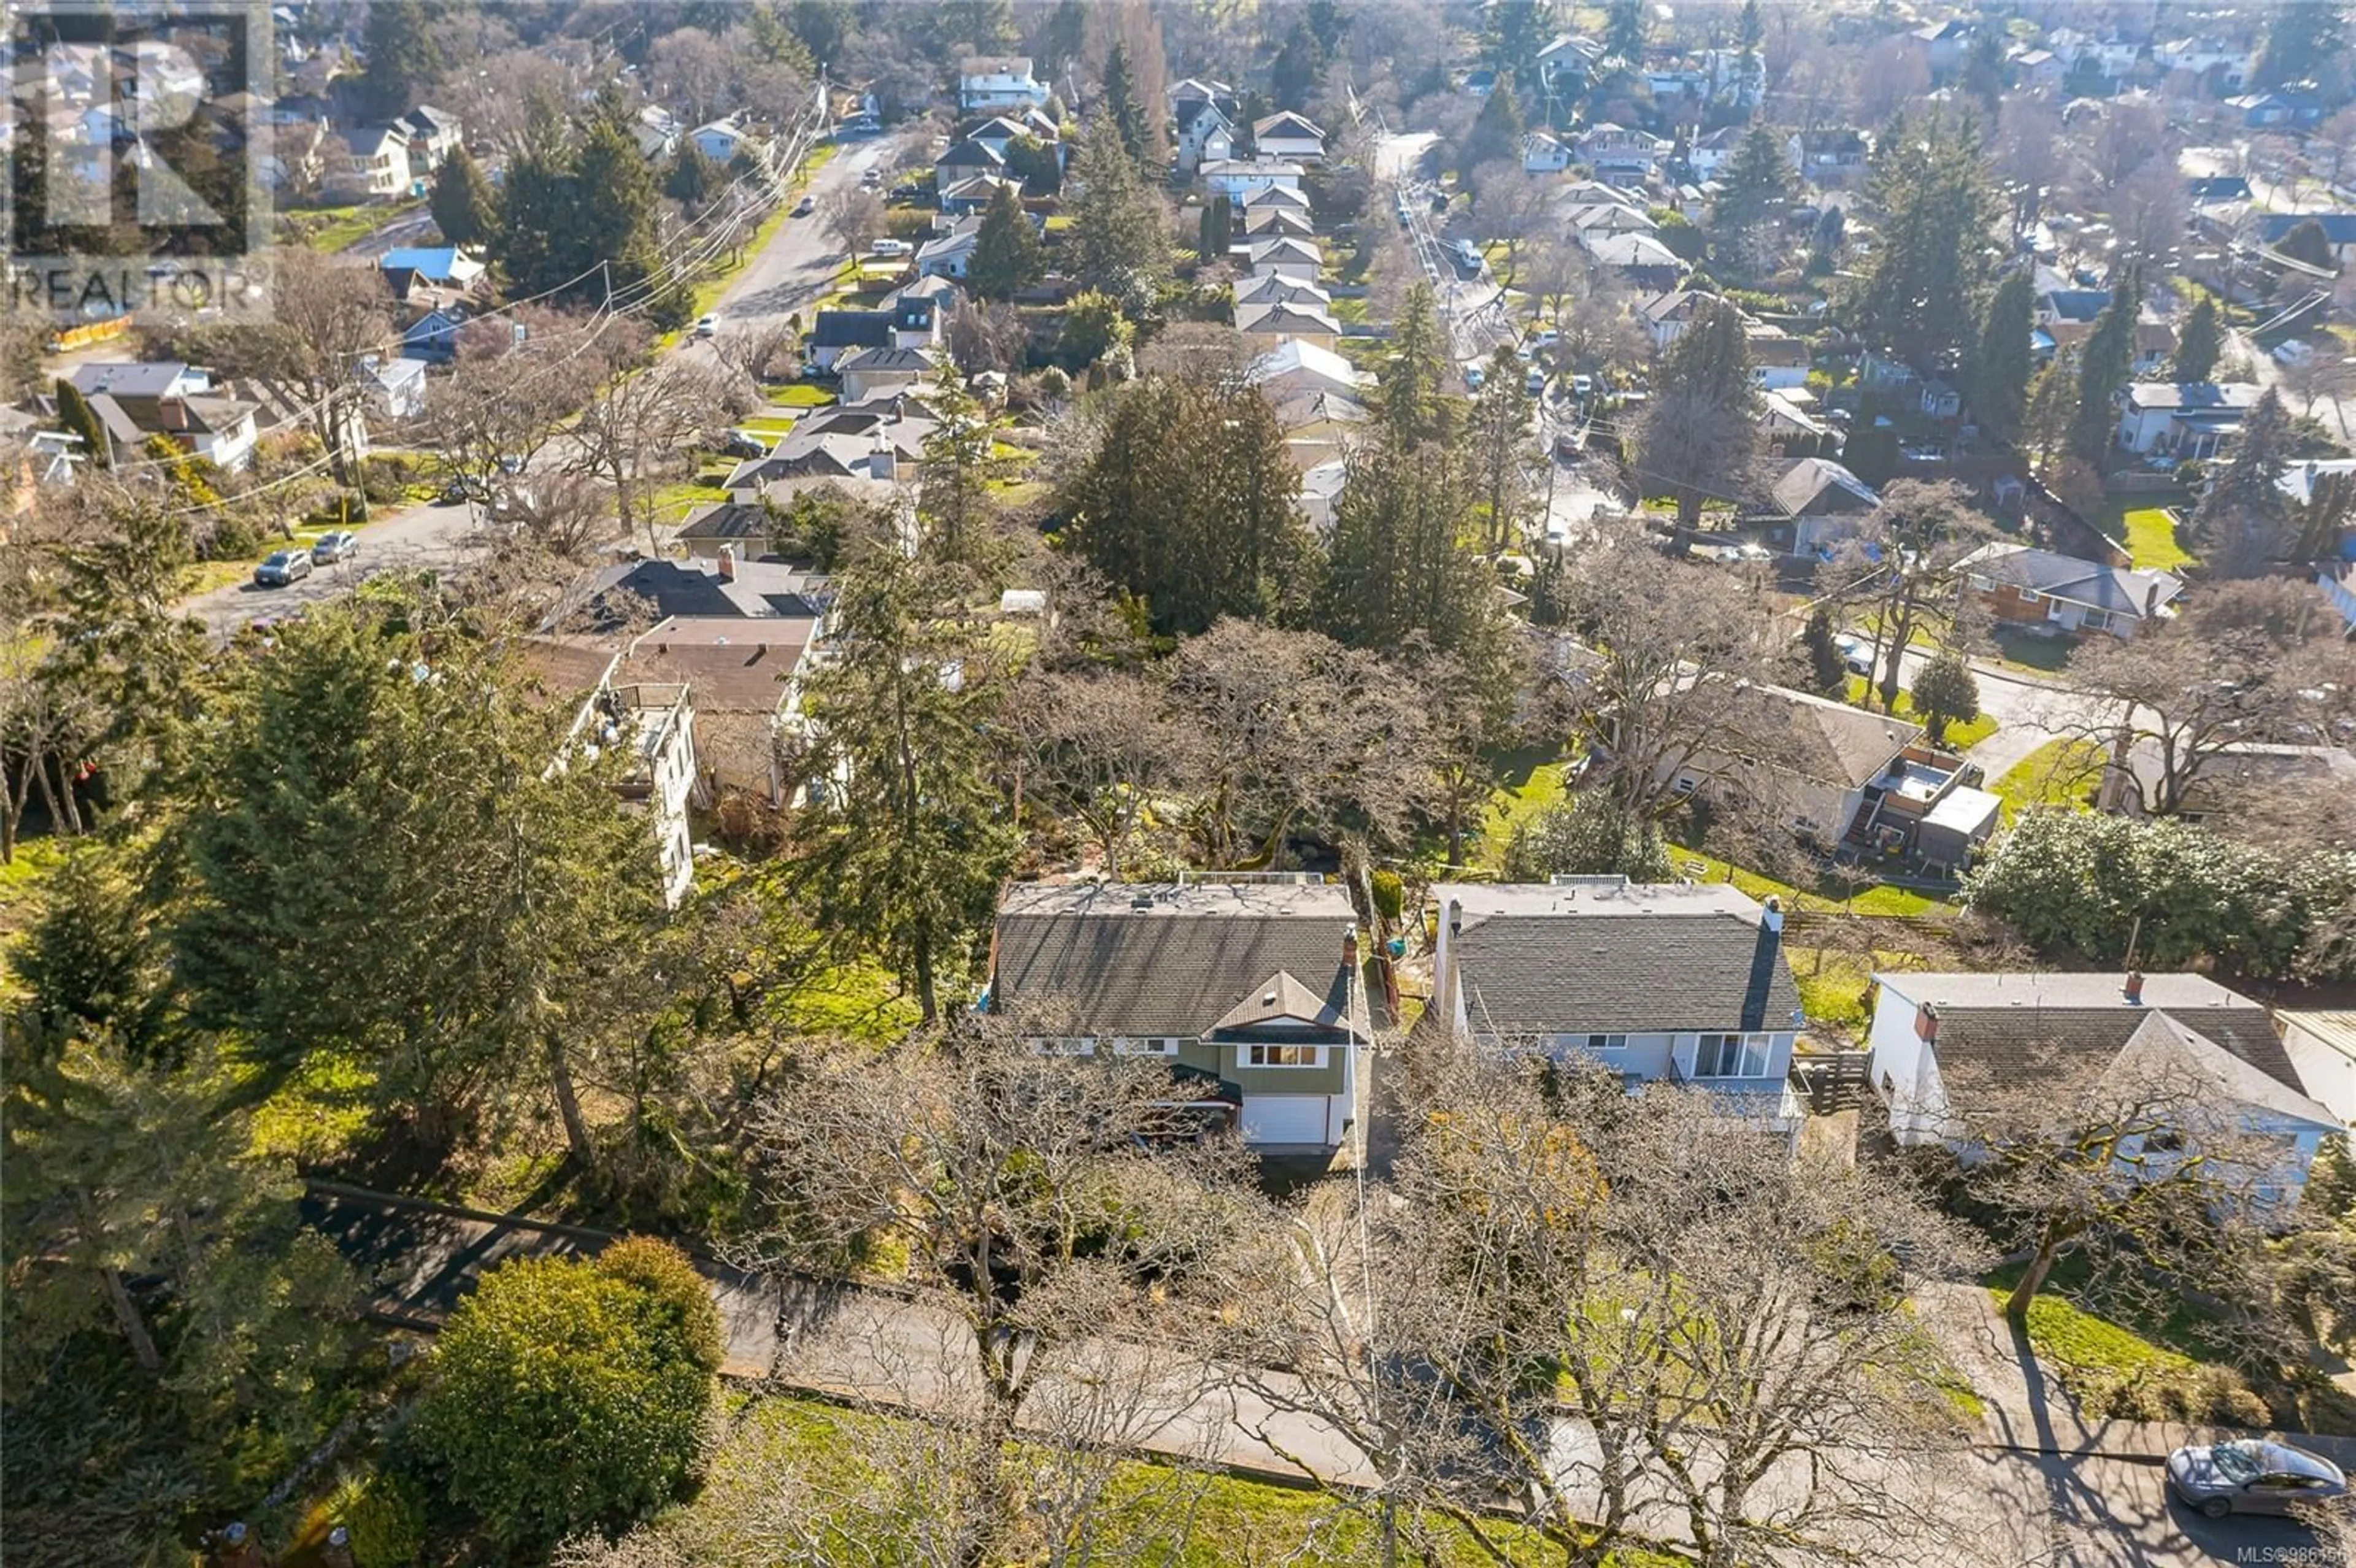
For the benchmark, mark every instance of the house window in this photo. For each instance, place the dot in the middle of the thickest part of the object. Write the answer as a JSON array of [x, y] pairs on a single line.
[[1281, 1055], [1731, 1056], [1065, 1045], [1164, 1046], [1607, 1042], [1983, 585], [2028, 595], [2095, 620]]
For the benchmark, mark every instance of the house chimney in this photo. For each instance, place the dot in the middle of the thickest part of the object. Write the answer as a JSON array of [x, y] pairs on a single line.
[[2151, 599], [1926, 1023], [1350, 948], [2133, 989], [1771, 914], [882, 462], [172, 413], [1443, 963], [728, 563]]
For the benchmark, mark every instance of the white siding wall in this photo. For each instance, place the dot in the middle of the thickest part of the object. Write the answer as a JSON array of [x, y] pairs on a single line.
[[2328, 1072]]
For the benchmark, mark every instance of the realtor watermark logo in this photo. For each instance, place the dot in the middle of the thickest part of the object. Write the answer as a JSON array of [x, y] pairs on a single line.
[[138, 148]]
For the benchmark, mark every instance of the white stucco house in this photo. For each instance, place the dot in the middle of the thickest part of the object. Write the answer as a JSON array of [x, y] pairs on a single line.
[[998, 82], [1943, 1045], [2191, 420], [1239, 180]]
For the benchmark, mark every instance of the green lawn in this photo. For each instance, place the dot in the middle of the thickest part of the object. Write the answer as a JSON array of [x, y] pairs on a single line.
[[1226, 1521], [2060, 773], [2022, 650], [770, 424], [1535, 779], [800, 395], [1828, 897], [1959, 737], [2151, 539], [328, 229]]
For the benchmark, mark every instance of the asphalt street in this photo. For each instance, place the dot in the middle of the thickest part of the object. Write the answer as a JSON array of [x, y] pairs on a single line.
[[790, 273]]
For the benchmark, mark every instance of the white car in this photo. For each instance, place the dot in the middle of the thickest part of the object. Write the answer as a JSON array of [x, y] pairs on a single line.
[[1855, 653], [893, 247], [2292, 351], [707, 325]]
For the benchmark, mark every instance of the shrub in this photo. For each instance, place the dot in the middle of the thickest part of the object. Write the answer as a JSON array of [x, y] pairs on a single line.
[[1391, 895], [385, 1512]]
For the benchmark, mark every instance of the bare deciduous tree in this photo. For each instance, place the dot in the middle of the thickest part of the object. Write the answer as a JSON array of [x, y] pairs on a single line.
[[1100, 748], [854, 216], [643, 425]]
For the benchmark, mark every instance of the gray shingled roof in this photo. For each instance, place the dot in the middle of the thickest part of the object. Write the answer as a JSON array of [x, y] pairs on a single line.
[[1176, 962], [1657, 959], [1995, 1026], [1820, 739]]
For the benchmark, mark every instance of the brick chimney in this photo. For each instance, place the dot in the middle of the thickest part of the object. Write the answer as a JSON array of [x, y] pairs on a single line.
[[1443, 963], [728, 563], [172, 413], [1926, 1023], [1350, 948], [1771, 914], [2133, 989]]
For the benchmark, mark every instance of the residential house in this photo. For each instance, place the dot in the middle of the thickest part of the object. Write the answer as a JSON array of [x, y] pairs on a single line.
[[1619, 151], [1678, 983], [434, 134], [2021, 586], [2038, 70], [651, 726], [1829, 154], [741, 526], [394, 389], [2289, 109], [1780, 361], [2217, 190], [1586, 220], [2220, 69], [1265, 222], [1320, 491], [2238, 778], [1565, 64], [437, 267], [1543, 154], [1824, 501], [972, 198], [2338, 580], [1206, 134], [432, 336], [966, 159], [658, 131], [1643, 262], [379, 165], [1274, 288], [1249, 992], [1947, 1046], [2322, 1049], [1941, 45], [1784, 415], [999, 132], [1939, 399], [1288, 197], [1282, 323], [2338, 231], [1711, 153], [1202, 90], [1238, 179], [869, 372], [1289, 136], [915, 322], [722, 141], [998, 83], [878, 440], [949, 255], [2105, 60], [296, 159], [1666, 316], [1294, 368], [138, 400], [2193, 420], [1287, 258]]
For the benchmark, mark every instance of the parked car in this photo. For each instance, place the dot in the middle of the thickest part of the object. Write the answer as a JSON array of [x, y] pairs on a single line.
[[284, 567], [1581, 385], [2293, 351], [893, 248], [906, 190], [1473, 378], [1855, 653], [743, 443], [707, 326], [329, 549], [805, 206], [1534, 383], [465, 488], [2249, 1477]]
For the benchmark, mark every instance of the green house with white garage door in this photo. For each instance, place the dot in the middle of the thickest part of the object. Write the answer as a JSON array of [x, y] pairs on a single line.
[[1249, 990]]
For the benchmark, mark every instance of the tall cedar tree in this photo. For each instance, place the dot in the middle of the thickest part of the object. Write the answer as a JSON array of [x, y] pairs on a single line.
[[1699, 439], [2002, 362], [2103, 367], [953, 502], [695, 178], [1500, 432], [404, 57], [2299, 39], [2199, 343], [905, 840], [1496, 132], [1408, 388], [1190, 504], [1398, 566], [1300, 67], [372, 802], [1122, 107], [1516, 30], [78, 417], [1757, 182], [1919, 291], [1624, 31], [1007, 254], [578, 212], [465, 208], [1217, 229], [2241, 524], [1117, 242]]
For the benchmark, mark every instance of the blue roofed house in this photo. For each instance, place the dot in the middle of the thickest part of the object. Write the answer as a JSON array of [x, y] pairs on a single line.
[[436, 266], [2338, 231], [1677, 983]]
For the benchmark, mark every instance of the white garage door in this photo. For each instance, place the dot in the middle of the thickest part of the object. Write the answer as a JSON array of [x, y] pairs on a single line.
[[1284, 1118]]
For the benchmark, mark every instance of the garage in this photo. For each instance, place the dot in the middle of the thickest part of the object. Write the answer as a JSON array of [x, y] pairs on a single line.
[[1285, 1119]]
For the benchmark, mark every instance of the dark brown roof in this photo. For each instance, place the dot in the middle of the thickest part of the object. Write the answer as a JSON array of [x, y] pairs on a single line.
[[742, 670], [1152, 962]]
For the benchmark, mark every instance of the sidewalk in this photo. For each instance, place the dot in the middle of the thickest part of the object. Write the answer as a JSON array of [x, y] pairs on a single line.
[[2028, 1412]]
